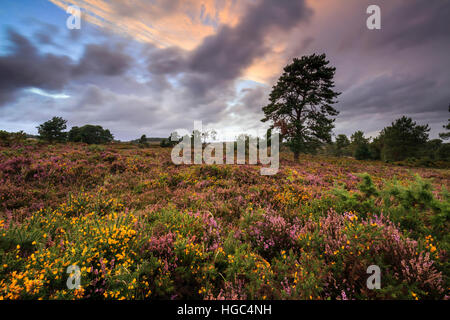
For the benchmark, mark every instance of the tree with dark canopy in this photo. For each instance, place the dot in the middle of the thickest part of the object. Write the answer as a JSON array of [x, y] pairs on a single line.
[[301, 103], [90, 134], [143, 139], [360, 146], [342, 144], [53, 130], [403, 139]]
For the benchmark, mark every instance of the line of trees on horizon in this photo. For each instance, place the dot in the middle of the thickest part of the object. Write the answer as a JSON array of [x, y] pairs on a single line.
[[53, 130], [403, 140]]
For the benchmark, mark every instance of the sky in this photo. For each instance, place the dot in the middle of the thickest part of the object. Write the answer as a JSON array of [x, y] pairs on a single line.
[[153, 66]]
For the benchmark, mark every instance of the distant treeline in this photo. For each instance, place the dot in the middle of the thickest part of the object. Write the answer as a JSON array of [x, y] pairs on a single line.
[[54, 131], [403, 141]]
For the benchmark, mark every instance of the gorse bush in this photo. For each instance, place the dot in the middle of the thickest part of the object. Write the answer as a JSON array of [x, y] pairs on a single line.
[[414, 206]]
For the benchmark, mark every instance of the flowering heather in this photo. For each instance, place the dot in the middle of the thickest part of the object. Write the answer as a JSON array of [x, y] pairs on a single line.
[[140, 227]]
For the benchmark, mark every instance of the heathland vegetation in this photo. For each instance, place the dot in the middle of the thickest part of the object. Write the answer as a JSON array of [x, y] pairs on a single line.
[[140, 227]]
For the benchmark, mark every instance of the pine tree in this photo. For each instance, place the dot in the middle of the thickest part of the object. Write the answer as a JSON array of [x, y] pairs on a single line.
[[301, 103]]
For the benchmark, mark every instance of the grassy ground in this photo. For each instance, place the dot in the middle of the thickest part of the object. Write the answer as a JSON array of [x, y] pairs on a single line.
[[140, 227]]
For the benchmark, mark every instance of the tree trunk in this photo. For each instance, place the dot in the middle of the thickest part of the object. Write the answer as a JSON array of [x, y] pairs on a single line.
[[296, 155]]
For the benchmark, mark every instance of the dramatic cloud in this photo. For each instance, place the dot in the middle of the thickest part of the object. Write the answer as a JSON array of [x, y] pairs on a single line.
[[150, 66], [414, 22], [223, 57], [101, 60], [26, 67], [164, 23], [225, 54]]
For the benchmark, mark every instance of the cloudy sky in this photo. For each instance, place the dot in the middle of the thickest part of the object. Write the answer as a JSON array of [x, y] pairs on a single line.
[[151, 66]]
